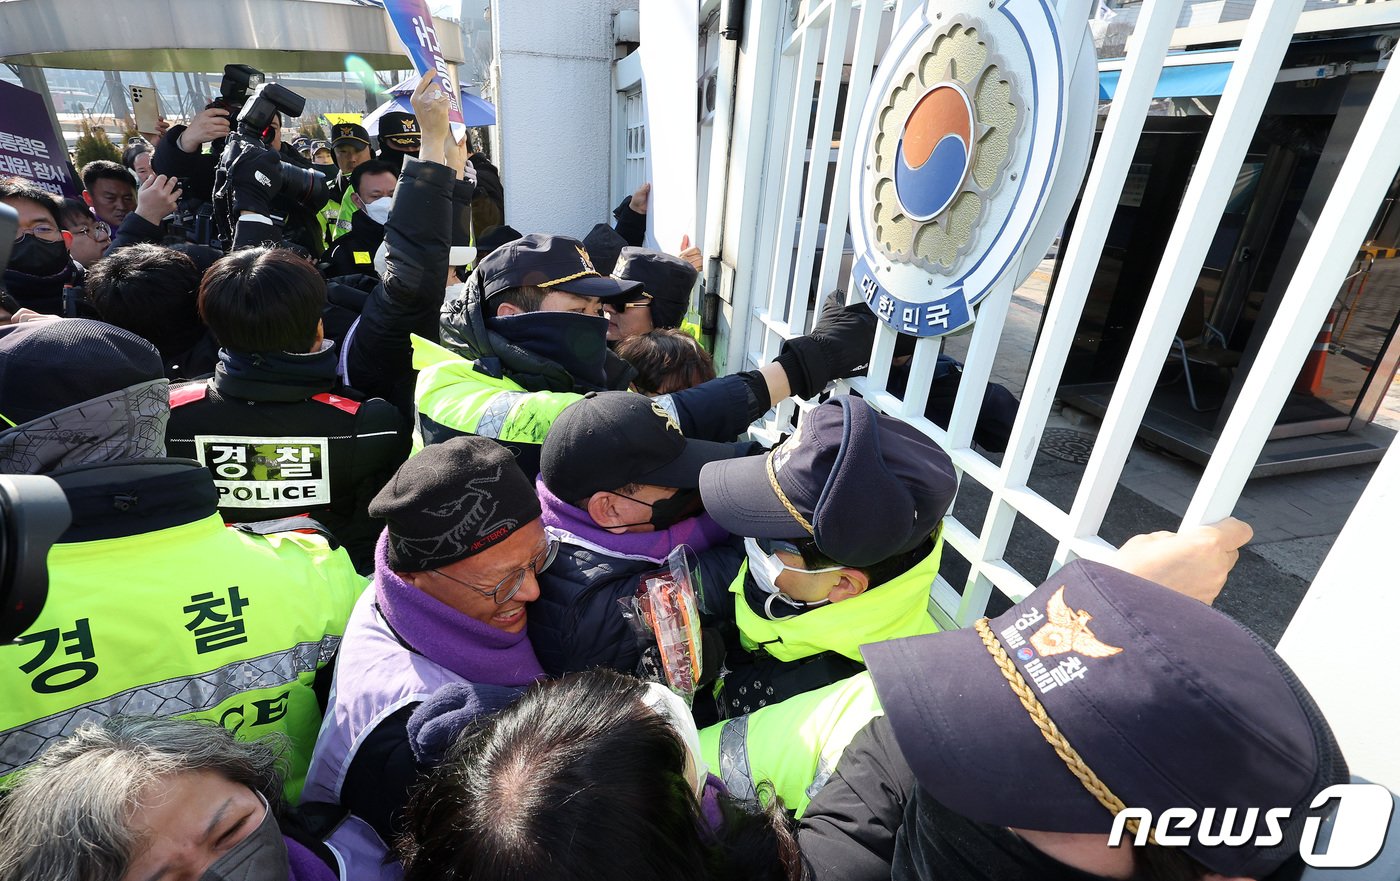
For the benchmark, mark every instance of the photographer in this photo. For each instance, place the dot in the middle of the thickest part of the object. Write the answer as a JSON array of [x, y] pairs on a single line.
[[180, 152], [265, 193]]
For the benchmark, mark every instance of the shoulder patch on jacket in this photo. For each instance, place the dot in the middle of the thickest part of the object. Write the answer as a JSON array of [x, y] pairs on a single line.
[[348, 405], [304, 525], [362, 257], [188, 393]]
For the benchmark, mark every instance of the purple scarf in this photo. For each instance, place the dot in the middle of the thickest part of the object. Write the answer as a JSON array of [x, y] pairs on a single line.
[[700, 532], [472, 649]]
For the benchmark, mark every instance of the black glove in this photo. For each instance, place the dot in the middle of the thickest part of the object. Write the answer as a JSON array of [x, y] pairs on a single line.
[[836, 348], [255, 176]]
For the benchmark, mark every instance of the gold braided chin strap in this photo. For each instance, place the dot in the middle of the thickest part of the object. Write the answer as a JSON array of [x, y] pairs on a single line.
[[782, 496], [1049, 730]]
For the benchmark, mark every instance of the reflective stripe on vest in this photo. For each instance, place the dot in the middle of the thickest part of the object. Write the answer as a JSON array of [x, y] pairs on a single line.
[[794, 746], [734, 759], [170, 697], [496, 412]]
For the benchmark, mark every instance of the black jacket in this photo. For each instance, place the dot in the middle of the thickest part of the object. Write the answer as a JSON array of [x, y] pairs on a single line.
[[578, 624], [378, 353], [718, 410], [848, 831], [196, 168], [353, 252], [282, 439]]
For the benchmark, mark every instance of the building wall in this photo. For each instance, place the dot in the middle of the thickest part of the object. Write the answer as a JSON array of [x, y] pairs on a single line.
[[555, 101]]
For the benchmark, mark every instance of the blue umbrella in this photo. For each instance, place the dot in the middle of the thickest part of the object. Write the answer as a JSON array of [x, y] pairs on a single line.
[[475, 110]]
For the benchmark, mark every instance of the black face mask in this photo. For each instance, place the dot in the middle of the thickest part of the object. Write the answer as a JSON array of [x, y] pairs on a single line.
[[667, 512], [35, 257]]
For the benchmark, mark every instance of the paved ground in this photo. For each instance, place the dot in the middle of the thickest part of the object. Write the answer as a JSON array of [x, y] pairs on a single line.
[[1295, 517]]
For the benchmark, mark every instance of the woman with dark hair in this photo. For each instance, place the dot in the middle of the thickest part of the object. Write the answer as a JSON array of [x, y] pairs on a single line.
[[667, 360], [596, 775], [134, 797]]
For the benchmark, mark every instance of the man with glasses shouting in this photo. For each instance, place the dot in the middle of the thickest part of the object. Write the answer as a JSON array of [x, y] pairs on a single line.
[[455, 570]]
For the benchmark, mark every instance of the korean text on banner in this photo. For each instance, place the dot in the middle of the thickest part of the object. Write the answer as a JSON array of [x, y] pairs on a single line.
[[29, 148], [414, 24]]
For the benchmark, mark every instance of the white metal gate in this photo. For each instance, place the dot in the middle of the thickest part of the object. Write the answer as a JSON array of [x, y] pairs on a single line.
[[784, 91], [770, 204]]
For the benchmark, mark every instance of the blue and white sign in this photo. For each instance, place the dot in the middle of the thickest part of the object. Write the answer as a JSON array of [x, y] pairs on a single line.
[[958, 147]]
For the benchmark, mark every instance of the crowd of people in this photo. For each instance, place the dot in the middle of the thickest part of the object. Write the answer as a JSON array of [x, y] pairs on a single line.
[[362, 494]]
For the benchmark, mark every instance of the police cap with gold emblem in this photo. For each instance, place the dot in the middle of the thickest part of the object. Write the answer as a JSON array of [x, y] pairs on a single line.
[[551, 262], [610, 439], [349, 133], [1103, 691]]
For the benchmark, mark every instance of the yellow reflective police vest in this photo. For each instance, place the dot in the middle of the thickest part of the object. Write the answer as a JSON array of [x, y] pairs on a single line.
[[197, 620], [897, 608], [792, 747], [453, 397]]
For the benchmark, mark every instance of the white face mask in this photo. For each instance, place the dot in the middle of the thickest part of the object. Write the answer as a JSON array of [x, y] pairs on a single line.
[[765, 569], [670, 707], [454, 291], [378, 210]]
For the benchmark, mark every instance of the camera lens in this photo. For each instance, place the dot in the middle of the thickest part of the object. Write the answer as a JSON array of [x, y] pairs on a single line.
[[304, 186]]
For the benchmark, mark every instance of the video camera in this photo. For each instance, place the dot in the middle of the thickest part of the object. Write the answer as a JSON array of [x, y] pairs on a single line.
[[33, 514]]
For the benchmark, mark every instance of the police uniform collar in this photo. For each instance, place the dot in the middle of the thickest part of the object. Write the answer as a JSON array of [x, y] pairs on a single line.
[[135, 496]]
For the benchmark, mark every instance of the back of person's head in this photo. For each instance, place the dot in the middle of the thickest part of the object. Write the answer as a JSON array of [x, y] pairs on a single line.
[[103, 169], [12, 188], [582, 779], [263, 300], [66, 817], [373, 166], [667, 360], [149, 290]]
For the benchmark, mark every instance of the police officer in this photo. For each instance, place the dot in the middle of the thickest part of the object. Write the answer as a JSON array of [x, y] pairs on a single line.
[[663, 299], [372, 193], [350, 144], [525, 339], [843, 536], [154, 605], [277, 430], [1010, 749], [399, 137]]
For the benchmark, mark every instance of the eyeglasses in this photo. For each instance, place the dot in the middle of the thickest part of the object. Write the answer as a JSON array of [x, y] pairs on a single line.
[[506, 589], [98, 232], [45, 231]]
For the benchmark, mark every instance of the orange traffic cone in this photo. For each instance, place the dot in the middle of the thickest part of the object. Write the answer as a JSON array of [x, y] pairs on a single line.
[[1309, 381]]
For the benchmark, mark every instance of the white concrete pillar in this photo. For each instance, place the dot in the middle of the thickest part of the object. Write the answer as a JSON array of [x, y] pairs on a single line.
[[555, 102]]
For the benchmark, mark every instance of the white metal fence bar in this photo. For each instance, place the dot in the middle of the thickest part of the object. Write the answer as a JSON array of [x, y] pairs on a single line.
[[1361, 184], [858, 87], [837, 29], [755, 78], [779, 286], [1251, 80]]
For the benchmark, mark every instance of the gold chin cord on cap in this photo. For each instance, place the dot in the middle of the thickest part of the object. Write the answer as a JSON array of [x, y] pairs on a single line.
[[782, 496], [1048, 729]]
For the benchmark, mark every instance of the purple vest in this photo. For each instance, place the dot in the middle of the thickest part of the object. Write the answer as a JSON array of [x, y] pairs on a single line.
[[381, 678]]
